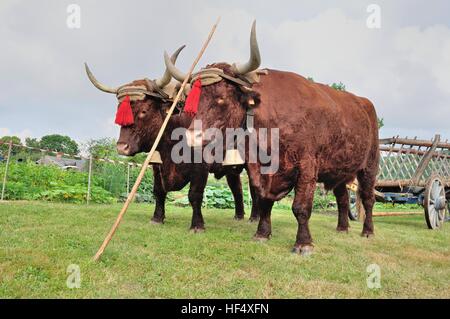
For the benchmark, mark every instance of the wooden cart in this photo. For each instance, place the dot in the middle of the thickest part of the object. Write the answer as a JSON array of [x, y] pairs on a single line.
[[412, 171]]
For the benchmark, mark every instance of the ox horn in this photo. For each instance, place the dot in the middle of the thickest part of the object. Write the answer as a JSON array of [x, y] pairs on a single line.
[[97, 84], [177, 74], [165, 79], [255, 58]]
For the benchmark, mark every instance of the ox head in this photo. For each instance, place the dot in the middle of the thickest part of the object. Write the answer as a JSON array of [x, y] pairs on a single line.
[[149, 103], [223, 103]]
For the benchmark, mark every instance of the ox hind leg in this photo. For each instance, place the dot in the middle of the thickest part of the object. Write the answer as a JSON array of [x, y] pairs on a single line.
[[160, 199], [342, 199], [302, 208], [196, 188], [366, 184], [234, 182]]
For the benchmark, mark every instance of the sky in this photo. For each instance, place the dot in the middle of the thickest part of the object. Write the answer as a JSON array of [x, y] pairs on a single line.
[[403, 66]]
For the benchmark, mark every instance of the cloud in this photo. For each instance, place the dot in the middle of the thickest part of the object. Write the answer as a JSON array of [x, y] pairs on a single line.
[[402, 67], [404, 71], [22, 134]]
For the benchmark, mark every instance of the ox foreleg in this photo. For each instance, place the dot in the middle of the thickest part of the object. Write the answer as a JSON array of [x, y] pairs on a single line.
[[254, 216], [160, 199], [265, 224], [342, 200], [302, 208], [234, 182], [196, 189]]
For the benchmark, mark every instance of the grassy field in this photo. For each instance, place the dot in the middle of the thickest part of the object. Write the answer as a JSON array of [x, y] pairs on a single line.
[[38, 241]]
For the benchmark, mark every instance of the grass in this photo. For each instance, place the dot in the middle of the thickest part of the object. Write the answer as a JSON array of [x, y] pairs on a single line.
[[38, 241]]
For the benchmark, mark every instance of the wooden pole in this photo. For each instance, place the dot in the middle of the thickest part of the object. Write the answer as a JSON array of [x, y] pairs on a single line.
[[152, 150], [88, 197], [6, 170]]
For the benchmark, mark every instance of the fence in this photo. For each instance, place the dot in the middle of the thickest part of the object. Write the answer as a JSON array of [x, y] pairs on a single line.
[[32, 173], [114, 176]]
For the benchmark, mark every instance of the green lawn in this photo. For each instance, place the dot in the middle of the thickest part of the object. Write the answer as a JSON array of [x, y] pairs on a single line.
[[38, 241]]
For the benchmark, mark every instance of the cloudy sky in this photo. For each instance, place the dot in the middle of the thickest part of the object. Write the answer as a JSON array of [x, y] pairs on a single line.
[[402, 67]]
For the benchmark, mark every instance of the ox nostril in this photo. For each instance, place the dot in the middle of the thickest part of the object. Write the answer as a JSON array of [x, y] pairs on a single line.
[[123, 148]]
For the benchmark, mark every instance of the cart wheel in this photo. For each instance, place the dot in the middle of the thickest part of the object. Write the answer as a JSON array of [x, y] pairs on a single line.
[[434, 203], [353, 212]]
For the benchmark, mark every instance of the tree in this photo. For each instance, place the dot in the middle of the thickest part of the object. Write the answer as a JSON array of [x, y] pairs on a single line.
[[380, 122], [59, 143], [338, 86], [4, 147], [101, 148], [32, 142]]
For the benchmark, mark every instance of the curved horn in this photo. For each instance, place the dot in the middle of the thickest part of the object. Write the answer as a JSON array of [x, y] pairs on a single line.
[[255, 58], [165, 79], [177, 74], [97, 84]]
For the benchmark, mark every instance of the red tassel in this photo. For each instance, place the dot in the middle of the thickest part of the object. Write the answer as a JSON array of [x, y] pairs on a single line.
[[191, 104], [124, 115]]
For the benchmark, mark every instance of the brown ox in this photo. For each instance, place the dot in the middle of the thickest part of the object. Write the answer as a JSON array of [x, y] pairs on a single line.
[[149, 113], [326, 136]]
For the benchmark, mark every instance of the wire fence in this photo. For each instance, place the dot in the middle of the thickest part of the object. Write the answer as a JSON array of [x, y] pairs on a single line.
[[35, 173], [29, 173]]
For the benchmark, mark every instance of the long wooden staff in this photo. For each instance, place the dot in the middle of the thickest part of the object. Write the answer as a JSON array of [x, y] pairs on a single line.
[[152, 150]]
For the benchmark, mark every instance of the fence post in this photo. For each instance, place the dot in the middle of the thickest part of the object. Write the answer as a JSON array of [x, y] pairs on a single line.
[[88, 197], [6, 170]]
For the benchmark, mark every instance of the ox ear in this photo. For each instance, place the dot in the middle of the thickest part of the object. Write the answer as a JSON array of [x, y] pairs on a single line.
[[249, 98]]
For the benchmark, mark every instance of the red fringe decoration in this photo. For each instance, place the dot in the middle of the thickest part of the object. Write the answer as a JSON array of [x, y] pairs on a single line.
[[124, 115], [191, 104]]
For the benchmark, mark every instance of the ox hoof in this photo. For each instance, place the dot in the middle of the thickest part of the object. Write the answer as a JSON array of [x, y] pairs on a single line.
[[342, 230], [239, 218], [197, 230], [253, 219], [156, 221], [303, 250], [260, 238], [367, 234]]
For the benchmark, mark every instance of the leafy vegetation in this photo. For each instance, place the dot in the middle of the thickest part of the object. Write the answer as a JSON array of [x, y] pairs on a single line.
[[38, 241], [28, 181]]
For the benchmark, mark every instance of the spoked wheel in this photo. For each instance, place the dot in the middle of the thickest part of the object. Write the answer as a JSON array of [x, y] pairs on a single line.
[[353, 211], [434, 203]]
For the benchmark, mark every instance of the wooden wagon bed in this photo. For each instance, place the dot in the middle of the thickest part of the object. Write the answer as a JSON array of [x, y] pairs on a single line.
[[414, 170]]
